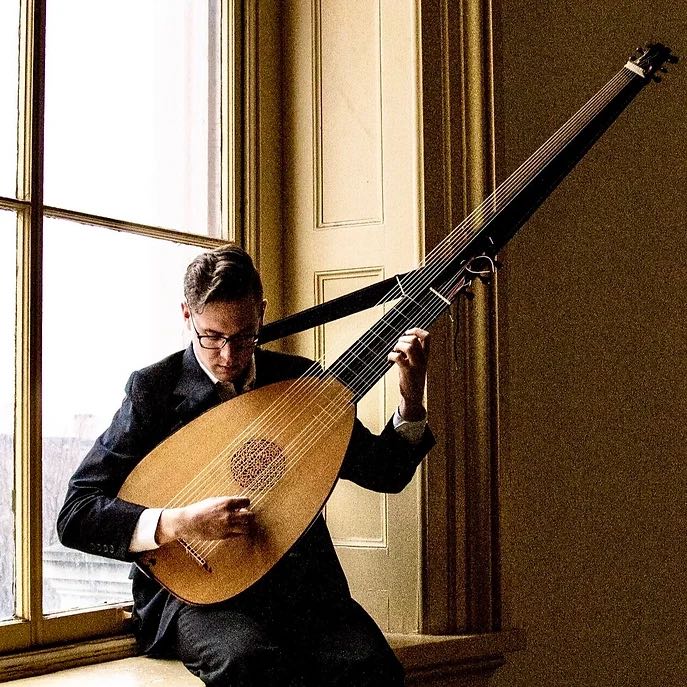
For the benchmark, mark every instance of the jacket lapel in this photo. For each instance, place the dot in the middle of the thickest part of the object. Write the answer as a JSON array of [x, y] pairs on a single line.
[[194, 391]]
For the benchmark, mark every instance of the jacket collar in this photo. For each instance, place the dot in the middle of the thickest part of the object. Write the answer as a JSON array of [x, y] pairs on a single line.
[[194, 388], [197, 393]]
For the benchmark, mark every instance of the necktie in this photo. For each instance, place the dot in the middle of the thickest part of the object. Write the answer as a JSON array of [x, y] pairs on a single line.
[[225, 390]]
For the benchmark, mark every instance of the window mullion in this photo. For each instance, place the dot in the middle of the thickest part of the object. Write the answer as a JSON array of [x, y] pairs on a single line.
[[28, 483], [231, 198]]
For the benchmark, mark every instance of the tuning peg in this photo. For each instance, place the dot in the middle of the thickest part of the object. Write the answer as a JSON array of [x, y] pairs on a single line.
[[663, 69], [673, 59], [656, 78]]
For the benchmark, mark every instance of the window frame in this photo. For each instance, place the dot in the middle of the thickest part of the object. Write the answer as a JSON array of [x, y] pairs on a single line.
[[30, 629]]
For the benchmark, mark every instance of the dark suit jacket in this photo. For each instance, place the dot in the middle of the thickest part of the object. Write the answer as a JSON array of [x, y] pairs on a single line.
[[159, 400]]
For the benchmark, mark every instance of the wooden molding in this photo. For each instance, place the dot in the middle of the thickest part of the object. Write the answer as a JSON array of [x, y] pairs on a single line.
[[461, 479]]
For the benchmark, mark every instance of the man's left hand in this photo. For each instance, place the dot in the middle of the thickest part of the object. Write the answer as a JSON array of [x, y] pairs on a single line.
[[411, 353]]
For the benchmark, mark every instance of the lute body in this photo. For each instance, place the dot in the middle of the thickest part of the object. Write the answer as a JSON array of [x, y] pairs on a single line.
[[287, 486]]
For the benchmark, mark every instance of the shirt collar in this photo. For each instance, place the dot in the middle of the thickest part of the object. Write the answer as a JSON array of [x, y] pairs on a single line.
[[248, 383]]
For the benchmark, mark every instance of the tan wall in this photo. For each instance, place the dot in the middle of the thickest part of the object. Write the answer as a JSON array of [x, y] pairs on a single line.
[[594, 356], [352, 194]]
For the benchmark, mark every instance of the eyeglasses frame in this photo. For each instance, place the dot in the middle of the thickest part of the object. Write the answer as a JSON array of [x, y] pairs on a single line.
[[251, 340]]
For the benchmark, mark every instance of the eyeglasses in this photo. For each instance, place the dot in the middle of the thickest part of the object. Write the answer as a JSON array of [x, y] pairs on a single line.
[[215, 342]]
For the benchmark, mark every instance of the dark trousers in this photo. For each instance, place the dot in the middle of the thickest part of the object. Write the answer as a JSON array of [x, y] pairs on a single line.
[[238, 646]]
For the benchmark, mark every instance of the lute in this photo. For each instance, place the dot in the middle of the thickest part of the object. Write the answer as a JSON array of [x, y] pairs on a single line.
[[283, 445]]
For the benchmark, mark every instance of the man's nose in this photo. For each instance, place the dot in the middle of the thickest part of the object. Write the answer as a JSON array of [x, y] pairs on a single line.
[[225, 351]]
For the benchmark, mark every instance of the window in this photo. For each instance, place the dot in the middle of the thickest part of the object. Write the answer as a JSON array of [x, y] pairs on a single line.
[[7, 308], [129, 130], [127, 158], [90, 273]]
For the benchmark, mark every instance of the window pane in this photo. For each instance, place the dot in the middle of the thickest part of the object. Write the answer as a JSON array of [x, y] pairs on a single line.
[[9, 51], [132, 111], [111, 305], [7, 315]]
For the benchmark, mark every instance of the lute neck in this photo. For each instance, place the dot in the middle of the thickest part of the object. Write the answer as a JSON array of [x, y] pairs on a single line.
[[453, 264]]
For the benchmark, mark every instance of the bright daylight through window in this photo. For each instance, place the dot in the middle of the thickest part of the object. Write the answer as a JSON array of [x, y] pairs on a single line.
[[111, 331], [7, 293], [129, 131], [132, 134]]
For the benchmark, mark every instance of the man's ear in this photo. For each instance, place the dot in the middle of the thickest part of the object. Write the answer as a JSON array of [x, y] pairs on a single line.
[[185, 311]]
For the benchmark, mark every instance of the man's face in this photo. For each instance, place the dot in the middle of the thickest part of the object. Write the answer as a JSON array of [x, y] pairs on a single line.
[[239, 320]]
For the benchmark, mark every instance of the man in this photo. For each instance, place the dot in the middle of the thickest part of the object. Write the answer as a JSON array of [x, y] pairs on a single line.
[[297, 625]]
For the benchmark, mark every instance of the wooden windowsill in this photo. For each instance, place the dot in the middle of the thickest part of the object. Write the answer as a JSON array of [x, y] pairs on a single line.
[[114, 661], [53, 659], [431, 657]]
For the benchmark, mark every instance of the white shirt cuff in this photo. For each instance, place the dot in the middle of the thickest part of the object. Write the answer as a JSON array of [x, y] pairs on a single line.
[[411, 431], [143, 538]]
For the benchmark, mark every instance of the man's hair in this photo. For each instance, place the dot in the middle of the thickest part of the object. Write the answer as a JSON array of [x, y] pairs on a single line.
[[224, 274]]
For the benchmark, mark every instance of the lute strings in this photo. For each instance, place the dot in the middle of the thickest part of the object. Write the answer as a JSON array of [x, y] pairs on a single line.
[[218, 472]]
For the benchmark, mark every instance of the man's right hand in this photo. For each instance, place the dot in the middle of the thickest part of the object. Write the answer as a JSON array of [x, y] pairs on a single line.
[[217, 517]]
